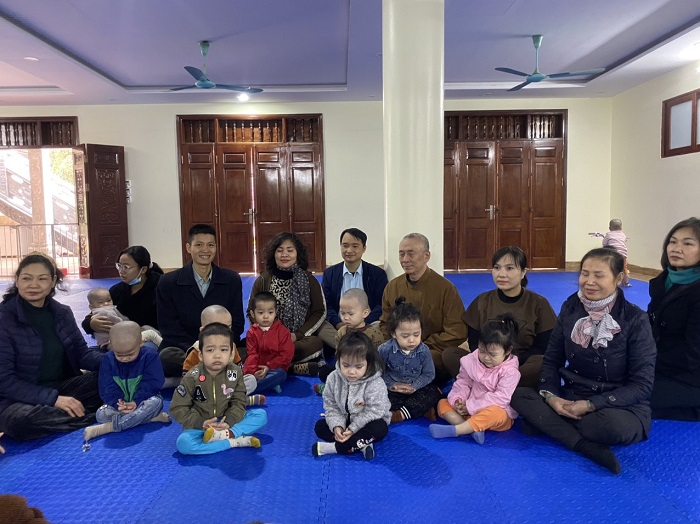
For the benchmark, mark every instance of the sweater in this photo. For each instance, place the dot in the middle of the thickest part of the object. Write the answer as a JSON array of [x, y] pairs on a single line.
[[374, 280], [352, 405], [180, 304], [416, 368], [21, 350], [440, 305], [317, 310], [133, 381], [272, 348], [480, 387], [618, 376], [197, 399]]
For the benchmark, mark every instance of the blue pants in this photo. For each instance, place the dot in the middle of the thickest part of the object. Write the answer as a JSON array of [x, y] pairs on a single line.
[[144, 412], [190, 440], [274, 377]]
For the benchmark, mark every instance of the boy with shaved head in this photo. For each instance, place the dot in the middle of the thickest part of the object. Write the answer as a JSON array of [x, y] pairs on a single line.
[[129, 381]]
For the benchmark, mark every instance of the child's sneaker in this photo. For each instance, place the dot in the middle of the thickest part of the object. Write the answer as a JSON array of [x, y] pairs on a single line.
[[214, 435], [368, 452], [151, 335], [318, 389]]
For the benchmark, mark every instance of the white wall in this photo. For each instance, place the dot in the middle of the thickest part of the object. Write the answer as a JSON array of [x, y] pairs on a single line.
[[649, 193], [353, 165]]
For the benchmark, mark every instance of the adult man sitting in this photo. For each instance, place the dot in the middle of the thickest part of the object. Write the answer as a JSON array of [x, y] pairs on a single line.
[[353, 272], [182, 294], [437, 298]]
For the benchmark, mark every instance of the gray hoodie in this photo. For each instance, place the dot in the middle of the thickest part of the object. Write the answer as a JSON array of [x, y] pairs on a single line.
[[364, 400]]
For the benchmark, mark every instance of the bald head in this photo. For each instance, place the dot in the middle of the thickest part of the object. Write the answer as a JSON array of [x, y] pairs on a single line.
[[215, 313], [125, 340], [356, 294]]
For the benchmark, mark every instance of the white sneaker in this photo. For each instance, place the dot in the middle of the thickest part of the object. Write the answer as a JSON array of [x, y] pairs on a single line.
[[151, 335]]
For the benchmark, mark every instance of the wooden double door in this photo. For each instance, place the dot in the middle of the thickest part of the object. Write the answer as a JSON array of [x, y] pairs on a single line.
[[250, 192], [501, 193]]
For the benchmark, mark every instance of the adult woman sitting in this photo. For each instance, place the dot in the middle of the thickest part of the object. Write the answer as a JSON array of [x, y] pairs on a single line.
[[42, 352], [674, 312], [603, 350], [301, 306], [534, 314], [135, 295]]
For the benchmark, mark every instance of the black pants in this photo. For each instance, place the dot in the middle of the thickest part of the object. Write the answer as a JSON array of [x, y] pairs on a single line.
[[607, 426], [417, 403], [674, 400], [372, 432], [172, 358], [26, 421]]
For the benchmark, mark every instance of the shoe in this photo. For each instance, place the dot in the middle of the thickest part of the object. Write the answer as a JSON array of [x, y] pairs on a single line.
[[214, 435], [479, 437], [151, 335], [318, 389], [368, 452]]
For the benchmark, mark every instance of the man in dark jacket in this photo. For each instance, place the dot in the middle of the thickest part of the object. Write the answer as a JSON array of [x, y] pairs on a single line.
[[353, 272], [182, 295]]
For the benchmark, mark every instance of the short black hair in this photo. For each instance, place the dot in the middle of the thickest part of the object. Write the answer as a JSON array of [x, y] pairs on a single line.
[[519, 259], [200, 229], [36, 258], [404, 312], [357, 233], [501, 331], [614, 259], [213, 329], [263, 296], [355, 345]]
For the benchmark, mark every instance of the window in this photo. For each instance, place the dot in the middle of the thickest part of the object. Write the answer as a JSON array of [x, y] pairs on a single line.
[[680, 125]]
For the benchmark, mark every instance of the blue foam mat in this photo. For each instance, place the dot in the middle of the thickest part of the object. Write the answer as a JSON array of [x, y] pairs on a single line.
[[138, 476]]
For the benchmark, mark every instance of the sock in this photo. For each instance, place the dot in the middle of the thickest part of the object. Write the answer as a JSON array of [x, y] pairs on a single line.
[[277, 389], [479, 437], [442, 430], [305, 368], [95, 431], [396, 416], [244, 442], [256, 400], [318, 389], [368, 452], [601, 455], [323, 448], [161, 417], [214, 435], [430, 415]]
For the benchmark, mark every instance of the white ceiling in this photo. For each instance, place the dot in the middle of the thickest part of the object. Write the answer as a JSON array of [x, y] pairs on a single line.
[[132, 52]]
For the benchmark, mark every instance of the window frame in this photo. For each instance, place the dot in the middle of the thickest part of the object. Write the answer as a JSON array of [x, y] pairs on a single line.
[[666, 125]]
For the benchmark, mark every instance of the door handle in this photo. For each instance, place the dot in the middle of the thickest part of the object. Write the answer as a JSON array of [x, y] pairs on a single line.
[[250, 214], [491, 210]]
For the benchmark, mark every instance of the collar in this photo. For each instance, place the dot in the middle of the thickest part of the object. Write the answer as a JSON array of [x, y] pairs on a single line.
[[346, 271], [199, 279]]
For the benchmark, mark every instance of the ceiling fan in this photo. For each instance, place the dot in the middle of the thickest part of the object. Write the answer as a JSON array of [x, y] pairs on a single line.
[[202, 80], [536, 76]]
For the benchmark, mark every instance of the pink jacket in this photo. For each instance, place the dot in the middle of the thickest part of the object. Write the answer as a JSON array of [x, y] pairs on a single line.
[[481, 387]]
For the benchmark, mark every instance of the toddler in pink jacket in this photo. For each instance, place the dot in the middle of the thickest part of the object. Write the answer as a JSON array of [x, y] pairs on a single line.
[[480, 397]]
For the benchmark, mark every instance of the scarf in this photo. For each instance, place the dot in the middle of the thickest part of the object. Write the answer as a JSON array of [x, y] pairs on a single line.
[[599, 325], [681, 277], [295, 308]]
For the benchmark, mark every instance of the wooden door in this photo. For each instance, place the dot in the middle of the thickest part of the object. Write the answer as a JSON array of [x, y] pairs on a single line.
[[547, 203], [306, 200], [234, 202], [476, 203], [105, 207], [198, 201], [450, 208], [512, 194], [272, 205]]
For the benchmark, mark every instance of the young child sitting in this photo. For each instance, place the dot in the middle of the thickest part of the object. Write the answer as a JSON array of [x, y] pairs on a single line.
[[410, 370], [480, 397], [210, 401], [269, 344], [353, 310], [220, 314], [129, 382], [100, 302], [355, 401]]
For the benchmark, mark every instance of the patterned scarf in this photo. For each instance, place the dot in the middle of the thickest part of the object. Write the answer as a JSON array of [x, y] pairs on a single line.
[[599, 325], [295, 309]]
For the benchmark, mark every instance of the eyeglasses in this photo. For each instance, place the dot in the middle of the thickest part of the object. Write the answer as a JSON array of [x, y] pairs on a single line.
[[123, 267]]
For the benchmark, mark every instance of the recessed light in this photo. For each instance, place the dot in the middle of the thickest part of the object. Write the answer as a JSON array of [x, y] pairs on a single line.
[[31, 59], [243, 97]]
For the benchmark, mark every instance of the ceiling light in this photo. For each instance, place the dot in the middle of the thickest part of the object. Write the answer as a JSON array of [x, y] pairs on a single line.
[[243, 97], [31, 58]]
